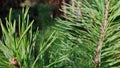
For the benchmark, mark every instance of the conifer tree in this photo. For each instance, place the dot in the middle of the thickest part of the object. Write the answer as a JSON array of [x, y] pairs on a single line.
[[94, 29]]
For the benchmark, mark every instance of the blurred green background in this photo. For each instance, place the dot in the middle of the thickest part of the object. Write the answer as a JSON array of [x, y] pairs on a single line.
[[43, 12]]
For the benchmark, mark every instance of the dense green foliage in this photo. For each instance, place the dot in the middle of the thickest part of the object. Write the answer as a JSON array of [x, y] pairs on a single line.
[[83, 25], [20, 45], [32, 49], [72, 43]]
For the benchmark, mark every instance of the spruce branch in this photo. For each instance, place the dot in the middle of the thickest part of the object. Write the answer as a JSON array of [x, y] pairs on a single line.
[[102, 34]]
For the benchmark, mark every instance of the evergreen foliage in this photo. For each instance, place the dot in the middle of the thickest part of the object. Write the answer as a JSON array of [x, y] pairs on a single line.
[[87, 37], [22, 47], [93, 29]]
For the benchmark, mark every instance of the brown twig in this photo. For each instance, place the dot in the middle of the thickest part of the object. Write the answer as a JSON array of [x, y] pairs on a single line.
[[14, 62], [102, 33], [64, 8]]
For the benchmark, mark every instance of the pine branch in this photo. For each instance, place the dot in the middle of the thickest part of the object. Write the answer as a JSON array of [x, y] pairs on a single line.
[[102, 34]]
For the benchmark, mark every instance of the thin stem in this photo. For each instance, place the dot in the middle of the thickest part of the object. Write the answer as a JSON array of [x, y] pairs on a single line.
[[73, 5], [102, 34], [64, 8]]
